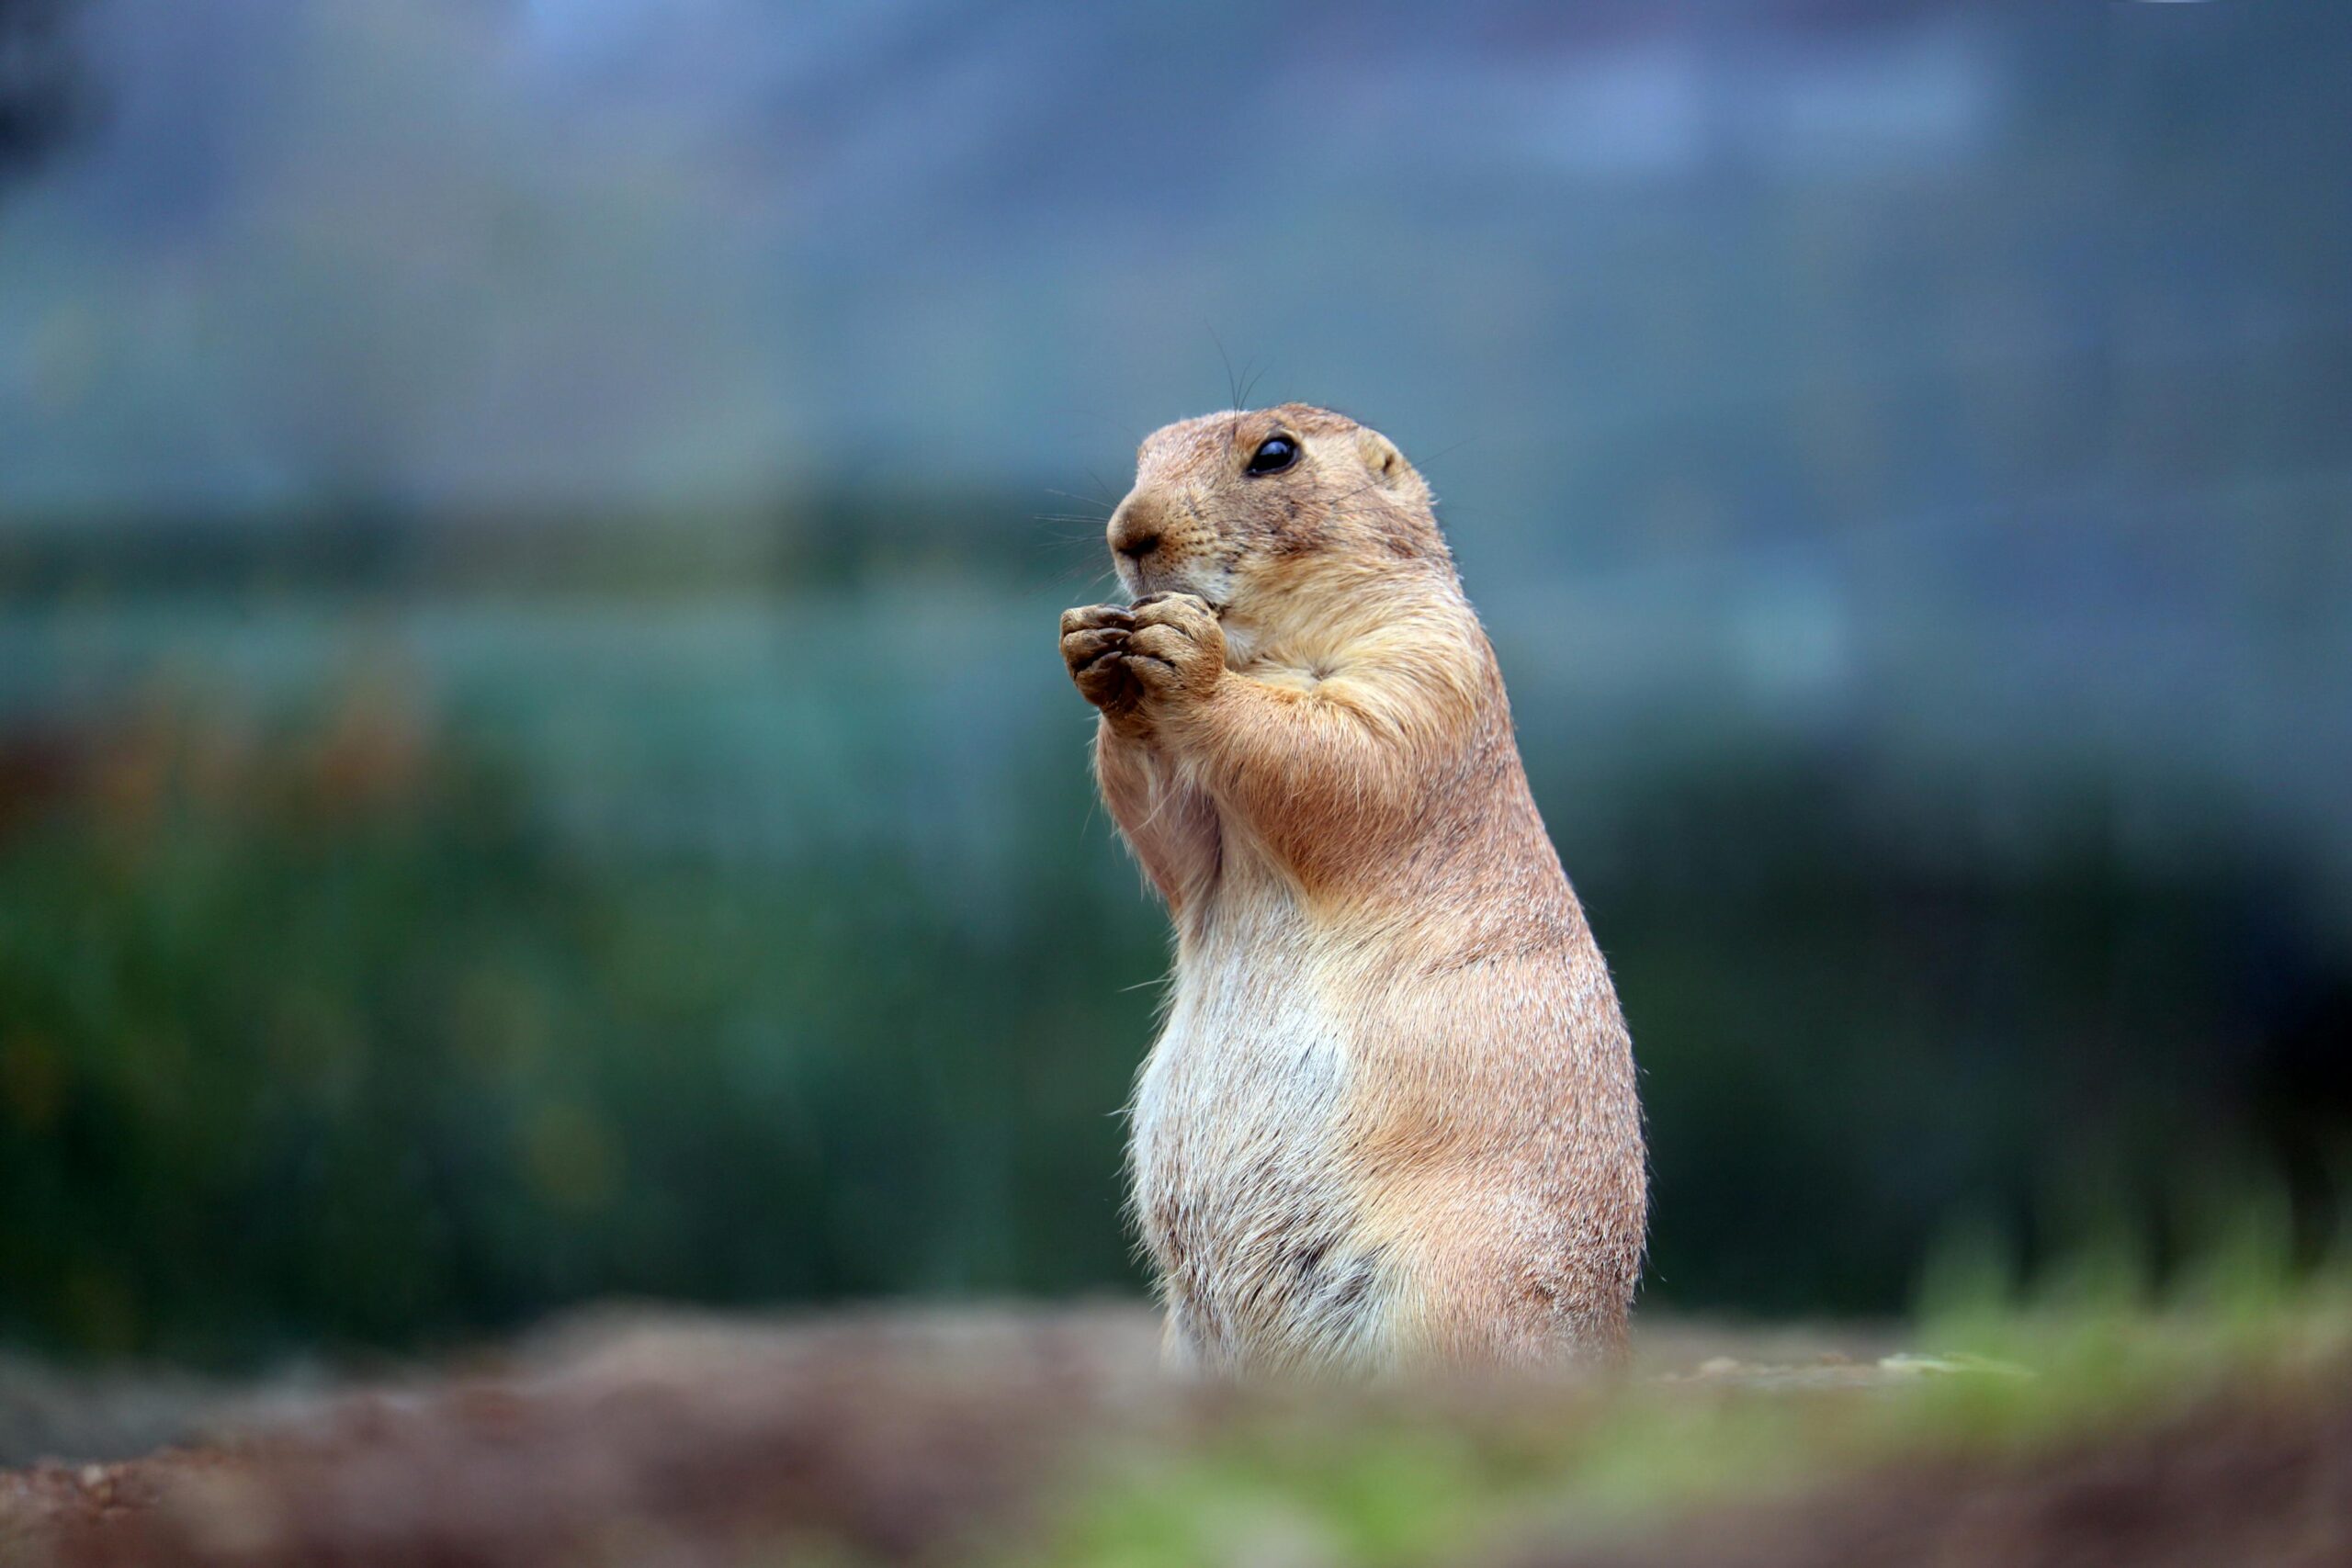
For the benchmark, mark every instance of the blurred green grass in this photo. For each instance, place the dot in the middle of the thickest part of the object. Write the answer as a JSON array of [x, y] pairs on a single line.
[[326, 1040]]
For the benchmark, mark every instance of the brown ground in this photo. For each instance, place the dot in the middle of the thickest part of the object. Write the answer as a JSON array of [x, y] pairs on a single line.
[[910, 1439]]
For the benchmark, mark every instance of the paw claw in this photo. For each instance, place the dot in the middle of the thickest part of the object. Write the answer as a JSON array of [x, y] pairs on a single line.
[[1091, 617], [1081, 649]]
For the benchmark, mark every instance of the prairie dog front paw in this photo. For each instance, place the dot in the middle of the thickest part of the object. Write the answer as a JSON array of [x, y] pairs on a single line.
[[1176, 650], [1094, 648]]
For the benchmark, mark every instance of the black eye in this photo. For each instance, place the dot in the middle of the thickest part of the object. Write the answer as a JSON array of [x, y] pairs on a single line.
[[1274, 454]]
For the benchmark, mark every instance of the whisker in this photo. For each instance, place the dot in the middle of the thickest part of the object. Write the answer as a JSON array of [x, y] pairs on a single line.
[[1444, 452], [1232, 386]]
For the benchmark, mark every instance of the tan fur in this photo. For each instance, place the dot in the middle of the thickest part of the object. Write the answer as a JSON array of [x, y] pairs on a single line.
[[1390, 1123]]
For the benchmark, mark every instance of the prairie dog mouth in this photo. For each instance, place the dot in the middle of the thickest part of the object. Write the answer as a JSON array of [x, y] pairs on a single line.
[[1217, 607], [1149, 583]]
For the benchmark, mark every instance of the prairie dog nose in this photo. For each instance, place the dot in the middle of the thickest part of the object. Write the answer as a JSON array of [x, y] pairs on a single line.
[[1135, 527]]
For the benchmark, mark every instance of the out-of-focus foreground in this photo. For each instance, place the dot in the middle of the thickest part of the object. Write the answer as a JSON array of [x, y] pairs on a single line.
[[2101, 1431]]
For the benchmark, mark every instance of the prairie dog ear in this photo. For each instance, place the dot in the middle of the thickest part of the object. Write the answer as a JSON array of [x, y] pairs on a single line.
[[1388, 468]]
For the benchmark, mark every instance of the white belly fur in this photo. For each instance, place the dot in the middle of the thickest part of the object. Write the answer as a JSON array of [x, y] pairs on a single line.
[[1241, 1185]]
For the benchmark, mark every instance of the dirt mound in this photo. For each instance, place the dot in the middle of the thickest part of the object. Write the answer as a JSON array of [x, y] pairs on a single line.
[[672, 1444]]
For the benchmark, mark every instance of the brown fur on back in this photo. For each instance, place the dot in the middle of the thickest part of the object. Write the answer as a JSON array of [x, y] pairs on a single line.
[[1391, 1119]]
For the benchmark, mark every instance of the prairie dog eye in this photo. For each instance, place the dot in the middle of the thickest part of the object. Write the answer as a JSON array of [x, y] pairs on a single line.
[[1274, 454]]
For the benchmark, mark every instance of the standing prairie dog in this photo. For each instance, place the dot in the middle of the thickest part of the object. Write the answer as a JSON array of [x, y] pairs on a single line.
[[1390, 1123]]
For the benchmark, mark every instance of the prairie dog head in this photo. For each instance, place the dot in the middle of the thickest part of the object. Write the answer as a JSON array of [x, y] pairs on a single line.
[[1244, 509]]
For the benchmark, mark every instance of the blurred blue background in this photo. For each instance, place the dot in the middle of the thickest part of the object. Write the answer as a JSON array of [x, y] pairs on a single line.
[[533, 764]]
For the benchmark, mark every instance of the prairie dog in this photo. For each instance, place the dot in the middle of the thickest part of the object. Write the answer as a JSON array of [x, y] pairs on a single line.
[[1390, 1121]]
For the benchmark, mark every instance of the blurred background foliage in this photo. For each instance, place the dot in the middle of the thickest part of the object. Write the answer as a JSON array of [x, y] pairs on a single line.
[[532, 760]]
